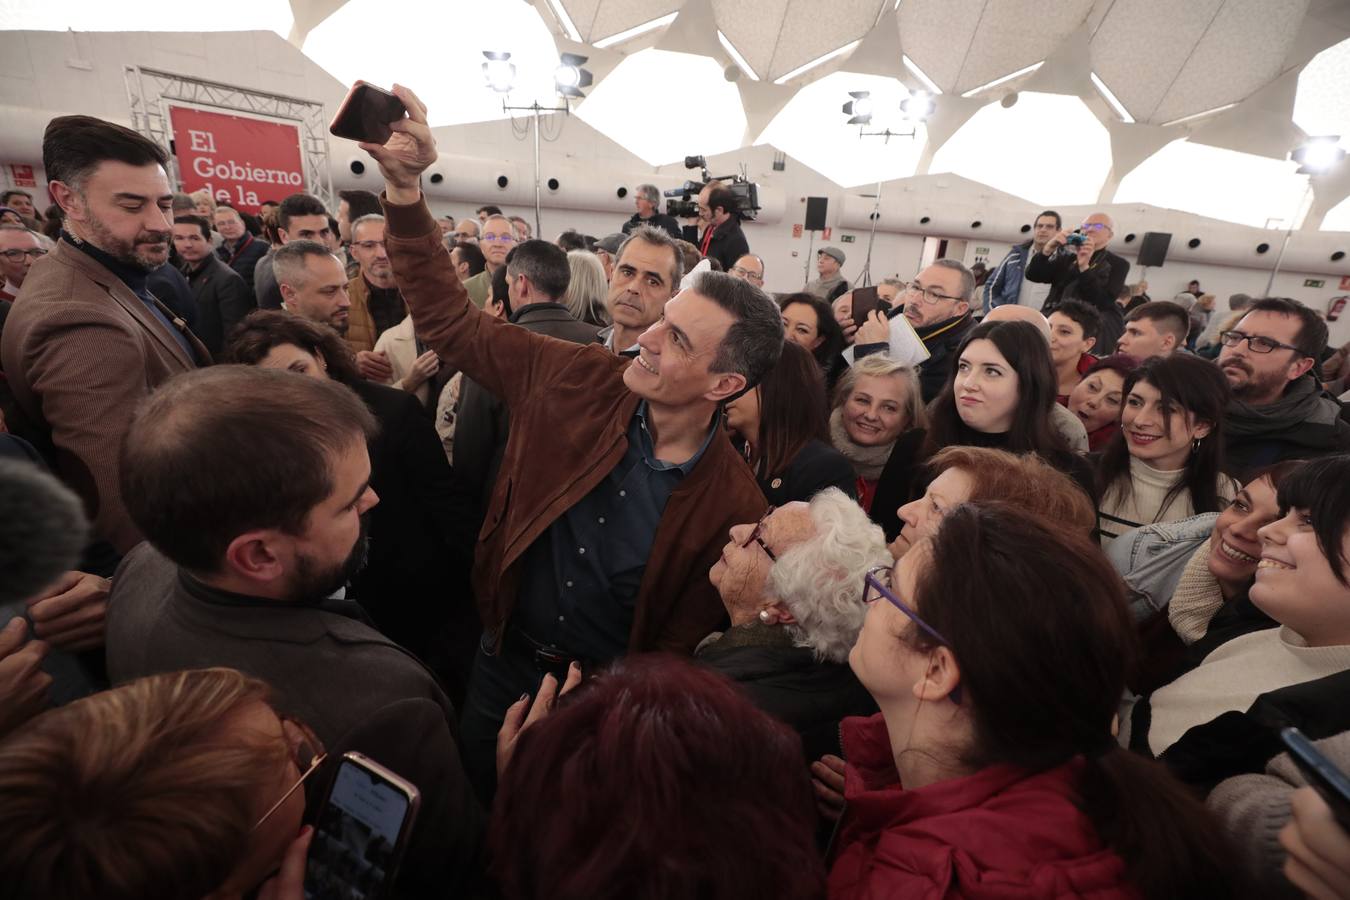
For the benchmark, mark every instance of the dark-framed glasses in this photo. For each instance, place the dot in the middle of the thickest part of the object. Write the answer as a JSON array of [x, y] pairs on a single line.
[[746, 274], [756, 536], [18, 255], [931, 296], [1258, 343]]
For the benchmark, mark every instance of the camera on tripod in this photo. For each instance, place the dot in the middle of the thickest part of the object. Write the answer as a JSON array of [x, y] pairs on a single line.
[[682, 202]]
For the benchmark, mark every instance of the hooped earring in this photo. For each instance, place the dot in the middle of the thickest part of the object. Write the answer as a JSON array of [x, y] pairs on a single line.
[[765, 617]]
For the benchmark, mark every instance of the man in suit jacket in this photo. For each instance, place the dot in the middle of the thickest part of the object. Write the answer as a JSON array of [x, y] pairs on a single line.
[[89, 339], [1090, 273], [242, 569], [239, 250], [537, 275], [218, 292]]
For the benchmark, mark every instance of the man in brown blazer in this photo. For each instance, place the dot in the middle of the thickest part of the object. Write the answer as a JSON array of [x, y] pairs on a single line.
[[86, 339], [618, 484]]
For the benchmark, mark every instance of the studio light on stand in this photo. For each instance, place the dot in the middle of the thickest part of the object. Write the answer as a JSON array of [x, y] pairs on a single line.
[[915, 110], [568, 80], [1316, 157]]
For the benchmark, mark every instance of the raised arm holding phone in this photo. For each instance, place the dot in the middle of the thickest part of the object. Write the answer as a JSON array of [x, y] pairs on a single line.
[[601, 545]]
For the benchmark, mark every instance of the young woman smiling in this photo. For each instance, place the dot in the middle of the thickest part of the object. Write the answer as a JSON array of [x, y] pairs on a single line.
[[1097, 398], [808, 321], [1166, 463]]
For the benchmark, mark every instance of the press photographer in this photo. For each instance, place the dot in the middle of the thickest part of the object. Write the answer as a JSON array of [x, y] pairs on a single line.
[[1077, 265]]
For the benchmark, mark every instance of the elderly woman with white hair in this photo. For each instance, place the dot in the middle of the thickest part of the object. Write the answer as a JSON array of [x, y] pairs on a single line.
[[790, 584]]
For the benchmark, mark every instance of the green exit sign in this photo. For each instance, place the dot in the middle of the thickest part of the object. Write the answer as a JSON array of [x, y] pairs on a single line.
[[846, 238], [1314, 282]]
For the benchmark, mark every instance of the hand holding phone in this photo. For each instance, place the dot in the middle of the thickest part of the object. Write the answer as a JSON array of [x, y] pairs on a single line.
[[1323, 775], [865, 301], [366, 113]]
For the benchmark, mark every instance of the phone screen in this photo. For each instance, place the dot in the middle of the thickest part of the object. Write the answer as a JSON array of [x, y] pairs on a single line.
[[356, 839]]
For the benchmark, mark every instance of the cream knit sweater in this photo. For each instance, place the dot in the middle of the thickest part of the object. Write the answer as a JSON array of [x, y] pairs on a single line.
[[1120, 511]]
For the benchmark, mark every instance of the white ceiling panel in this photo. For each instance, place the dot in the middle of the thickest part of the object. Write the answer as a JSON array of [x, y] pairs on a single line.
[[809, 29], [614, 16], [937, 35], [1142, 45], [1012, 35], [752, 26]]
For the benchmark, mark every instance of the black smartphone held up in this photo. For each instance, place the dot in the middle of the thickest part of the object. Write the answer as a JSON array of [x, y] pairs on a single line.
[[361, 832], [1322, 774], [365, 114], [866, 301]]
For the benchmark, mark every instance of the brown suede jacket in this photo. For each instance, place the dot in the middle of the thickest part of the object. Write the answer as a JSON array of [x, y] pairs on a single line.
[[570, 412]]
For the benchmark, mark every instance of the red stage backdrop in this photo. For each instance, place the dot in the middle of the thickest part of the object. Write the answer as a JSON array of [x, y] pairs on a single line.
[[239, 160]]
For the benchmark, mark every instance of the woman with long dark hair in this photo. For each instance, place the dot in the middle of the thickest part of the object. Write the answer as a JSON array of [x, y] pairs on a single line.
[[780, 426], [1000, 393], [997, 652], [1166, 462], [809, 322], [1097, 399]]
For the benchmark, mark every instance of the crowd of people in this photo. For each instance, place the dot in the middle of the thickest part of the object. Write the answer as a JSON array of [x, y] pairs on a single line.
[[650, 583]]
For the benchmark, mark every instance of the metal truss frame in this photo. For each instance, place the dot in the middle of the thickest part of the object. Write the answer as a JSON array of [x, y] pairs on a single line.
[[149, 91]]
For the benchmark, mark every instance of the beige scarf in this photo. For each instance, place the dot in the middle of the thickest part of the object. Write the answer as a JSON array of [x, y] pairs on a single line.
[[867, 461], [1196, 599]]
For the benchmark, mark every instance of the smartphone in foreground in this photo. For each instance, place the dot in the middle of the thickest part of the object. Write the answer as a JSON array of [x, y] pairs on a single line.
[[1322, 774], [866, 300], [361, 832], [365, 114]]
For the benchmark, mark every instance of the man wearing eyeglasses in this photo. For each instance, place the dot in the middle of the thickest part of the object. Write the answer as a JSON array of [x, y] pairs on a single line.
[[377, 304], [19, 249], [936, 305], [749, 268], [496, 240], [1084, 271], [1278, 409]]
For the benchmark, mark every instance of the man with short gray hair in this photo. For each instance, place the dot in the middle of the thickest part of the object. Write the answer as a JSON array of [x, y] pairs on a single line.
[[1077, 266], [377, 304], [496, 239], [646, 275], [647, 199], [313, 284]]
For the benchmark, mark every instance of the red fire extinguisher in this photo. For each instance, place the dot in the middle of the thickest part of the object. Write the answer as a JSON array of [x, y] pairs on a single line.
[[1336, 307]]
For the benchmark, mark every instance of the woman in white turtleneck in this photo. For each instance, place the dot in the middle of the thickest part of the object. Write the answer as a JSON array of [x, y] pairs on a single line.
[[1166, 462]]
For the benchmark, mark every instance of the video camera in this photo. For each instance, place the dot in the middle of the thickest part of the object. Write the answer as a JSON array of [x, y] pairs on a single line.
[[683, 202]]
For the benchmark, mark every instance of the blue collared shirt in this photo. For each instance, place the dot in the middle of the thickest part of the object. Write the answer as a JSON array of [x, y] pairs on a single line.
[[581, 577]]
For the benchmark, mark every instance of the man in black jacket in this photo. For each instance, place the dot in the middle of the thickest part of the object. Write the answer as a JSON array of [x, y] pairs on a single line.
[[537, 275], [220, 296], [647, 198], [937, 304], [239, 250], [1089, 272], [723, 239]]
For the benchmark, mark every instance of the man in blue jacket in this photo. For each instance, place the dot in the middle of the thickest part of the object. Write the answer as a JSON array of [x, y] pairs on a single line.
[[1006, 284]]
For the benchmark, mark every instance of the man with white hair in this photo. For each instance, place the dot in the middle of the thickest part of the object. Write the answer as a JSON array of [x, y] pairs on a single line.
[[647, 199], [1077, 265], [791, 584]]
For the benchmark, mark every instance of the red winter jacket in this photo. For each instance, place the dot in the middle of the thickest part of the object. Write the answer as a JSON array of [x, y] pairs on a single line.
[[999, 834]]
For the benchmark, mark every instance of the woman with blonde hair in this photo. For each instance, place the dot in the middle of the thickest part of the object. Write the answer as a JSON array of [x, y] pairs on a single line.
[[878, 413], [585, 297]]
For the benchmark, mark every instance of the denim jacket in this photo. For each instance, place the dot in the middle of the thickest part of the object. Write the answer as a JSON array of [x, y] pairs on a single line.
[[1151, 559], [1005, 284]]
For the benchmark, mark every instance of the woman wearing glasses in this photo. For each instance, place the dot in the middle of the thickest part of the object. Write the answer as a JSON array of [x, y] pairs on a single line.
[[1166, 461], [999, 394], [991, 770], [790, 587], [808, 322], [780, 427]]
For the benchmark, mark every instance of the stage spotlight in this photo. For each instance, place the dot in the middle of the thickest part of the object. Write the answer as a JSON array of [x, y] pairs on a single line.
[[499, 71], [918, 106], [570, 77], [859, 109], [1318, 155]]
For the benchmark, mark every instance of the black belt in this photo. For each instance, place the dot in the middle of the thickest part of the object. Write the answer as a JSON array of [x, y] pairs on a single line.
[[547, 658]]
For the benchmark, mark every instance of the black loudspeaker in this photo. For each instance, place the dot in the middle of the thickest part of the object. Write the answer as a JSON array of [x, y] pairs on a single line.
[[1153, 248], [815, 213]]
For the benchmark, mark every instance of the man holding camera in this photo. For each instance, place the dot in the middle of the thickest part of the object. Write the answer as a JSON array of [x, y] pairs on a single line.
[[722, 238], [1077, 265]]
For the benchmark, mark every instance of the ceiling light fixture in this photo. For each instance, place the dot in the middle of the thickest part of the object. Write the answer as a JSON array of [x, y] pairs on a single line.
[[859, 109], [918, 106], [736, 56], [570, 77], [818, 61], [919, 74], [630, 33], [1319, 154], [1026, 70], [1110, 99], [499, 71]]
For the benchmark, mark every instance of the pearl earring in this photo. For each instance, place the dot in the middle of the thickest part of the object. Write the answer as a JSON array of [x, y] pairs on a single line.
[[764, 616]]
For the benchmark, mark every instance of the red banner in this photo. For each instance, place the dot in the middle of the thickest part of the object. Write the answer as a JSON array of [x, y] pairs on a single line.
[[239, 160], [23, 175]]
